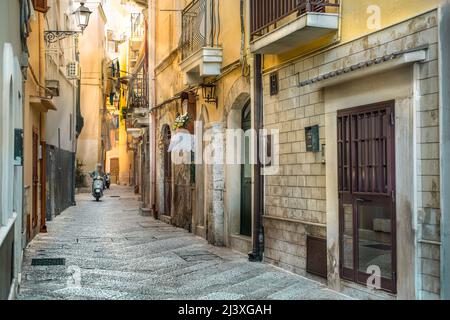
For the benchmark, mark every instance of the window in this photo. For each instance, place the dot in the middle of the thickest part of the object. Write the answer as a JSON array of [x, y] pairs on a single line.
[[40, 5], [274, 84]]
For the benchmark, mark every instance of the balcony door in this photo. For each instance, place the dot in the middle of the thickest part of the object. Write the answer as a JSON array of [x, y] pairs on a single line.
[[366, 153]]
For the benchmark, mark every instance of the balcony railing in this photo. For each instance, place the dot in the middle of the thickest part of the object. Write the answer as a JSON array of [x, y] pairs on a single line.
[[265, 13], [194, 26], [137, 25], [139, 91]]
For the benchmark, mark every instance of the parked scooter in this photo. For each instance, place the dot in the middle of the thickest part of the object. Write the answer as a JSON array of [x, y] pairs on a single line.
[[107, 181], [98, 185]]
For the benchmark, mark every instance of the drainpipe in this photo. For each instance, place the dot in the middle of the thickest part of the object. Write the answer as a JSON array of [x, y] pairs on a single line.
[[152, 130], [258, 199], [42, 127], [444, 67]]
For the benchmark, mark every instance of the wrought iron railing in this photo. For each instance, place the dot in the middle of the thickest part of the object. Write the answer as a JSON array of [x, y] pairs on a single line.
[[194, 27], [265, 13], [139, 91]]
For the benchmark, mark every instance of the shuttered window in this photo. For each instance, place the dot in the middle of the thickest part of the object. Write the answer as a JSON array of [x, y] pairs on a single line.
[[40, 5]]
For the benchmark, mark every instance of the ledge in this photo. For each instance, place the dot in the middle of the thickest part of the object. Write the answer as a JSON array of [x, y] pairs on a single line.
[[206, 62], [42, 104], [5, 229], [305, 29], [367, 68], [295, 221]]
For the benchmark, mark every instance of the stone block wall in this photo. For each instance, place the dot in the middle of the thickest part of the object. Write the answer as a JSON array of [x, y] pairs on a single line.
[[296, 196], [429, 215]]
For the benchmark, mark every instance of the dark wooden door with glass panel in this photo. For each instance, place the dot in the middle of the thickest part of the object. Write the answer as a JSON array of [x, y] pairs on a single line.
[[366, 161], [246, 176]]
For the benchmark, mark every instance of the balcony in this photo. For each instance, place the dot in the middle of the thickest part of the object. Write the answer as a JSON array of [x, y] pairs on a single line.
[[201, 55], [278, 26], [137, 31], [141, 122]]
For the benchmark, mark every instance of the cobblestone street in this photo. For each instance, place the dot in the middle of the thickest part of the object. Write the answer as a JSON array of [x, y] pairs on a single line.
[[117, 254]]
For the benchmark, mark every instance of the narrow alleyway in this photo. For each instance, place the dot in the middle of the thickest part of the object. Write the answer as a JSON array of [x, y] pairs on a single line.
[[118, 254]]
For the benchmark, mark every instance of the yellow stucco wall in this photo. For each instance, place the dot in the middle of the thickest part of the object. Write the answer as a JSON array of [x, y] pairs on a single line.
[[120, 150], [32, 117], [357, 21], [169, 76]]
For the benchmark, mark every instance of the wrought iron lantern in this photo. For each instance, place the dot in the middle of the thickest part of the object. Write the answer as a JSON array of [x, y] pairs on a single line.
[[209, 93], [82, 15]]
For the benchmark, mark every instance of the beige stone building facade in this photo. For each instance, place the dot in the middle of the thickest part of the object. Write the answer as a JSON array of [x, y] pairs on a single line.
[[201, 68], [358, 191]]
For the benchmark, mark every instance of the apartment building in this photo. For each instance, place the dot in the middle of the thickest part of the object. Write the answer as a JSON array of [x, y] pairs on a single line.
[[92, 43], [14, 17], [202, 78], [358, 92]]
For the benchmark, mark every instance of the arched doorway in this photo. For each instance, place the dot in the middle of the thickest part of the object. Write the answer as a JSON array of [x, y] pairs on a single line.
[[167, 162], [246, 174]]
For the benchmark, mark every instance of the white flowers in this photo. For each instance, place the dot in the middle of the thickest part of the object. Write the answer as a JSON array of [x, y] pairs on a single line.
[[181, 121]]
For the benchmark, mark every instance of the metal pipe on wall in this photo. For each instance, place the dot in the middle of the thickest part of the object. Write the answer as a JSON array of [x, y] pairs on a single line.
[[258, 198], [153, 131]]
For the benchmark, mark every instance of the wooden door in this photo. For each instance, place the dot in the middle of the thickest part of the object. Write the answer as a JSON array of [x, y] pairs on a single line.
[[367, 193], [114, 166]]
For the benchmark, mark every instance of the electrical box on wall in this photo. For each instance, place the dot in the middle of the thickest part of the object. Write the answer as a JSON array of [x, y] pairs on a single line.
[[312, 139], [18, 147]]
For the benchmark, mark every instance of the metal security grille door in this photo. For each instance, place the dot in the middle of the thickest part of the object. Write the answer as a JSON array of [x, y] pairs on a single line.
[[366, 162]]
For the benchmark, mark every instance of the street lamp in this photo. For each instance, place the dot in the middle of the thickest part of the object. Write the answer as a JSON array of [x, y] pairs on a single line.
[[209, 93], [82, 15]]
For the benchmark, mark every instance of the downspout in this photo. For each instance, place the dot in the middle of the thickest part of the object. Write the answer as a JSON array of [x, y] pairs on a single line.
[[42, 129], [153, 136], [258, 199], [444, 67]]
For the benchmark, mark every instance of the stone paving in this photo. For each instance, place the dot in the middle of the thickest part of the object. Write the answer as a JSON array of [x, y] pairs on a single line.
[[111, 252]]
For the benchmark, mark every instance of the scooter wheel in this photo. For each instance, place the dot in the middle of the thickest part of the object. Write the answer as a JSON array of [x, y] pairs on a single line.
[[97, 199]]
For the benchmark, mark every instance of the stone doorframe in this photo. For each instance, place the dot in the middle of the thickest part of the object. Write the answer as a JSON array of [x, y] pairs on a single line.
[[199, 217], [237, 99], [395, 85]]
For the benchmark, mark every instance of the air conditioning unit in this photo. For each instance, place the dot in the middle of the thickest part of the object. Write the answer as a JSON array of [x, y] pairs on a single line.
[[52, 87], [73, 70]]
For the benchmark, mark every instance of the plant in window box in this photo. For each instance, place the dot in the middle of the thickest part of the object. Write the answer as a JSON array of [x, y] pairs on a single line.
[[181, 121]]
